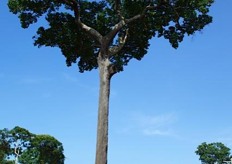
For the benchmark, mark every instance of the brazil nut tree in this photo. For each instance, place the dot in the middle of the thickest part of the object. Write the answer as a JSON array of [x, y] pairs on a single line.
[[107, 34]]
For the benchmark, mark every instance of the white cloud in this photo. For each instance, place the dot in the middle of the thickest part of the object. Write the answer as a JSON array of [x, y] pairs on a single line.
[[151, 125], [156, 120], [157, 132], [157, 125], [74, 79], [34, 80], [70, 78]]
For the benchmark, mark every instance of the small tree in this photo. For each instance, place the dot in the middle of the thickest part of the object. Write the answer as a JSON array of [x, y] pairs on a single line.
[[107, 34], [213, 153], [28, 148]]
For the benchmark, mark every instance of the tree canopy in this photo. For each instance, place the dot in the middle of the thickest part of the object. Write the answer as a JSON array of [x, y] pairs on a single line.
[[213, 153], [19, 145], [79, 27]]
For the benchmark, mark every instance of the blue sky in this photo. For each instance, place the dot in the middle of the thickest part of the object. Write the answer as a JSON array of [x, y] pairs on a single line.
[[161, 108]]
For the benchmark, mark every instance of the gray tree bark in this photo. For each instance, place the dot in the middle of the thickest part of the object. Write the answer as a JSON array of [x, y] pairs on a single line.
[[103, 111]]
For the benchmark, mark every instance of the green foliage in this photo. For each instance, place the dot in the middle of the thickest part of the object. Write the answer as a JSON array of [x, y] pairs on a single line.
[[171, 19], [31, 148], [213, 152], [4, 147]]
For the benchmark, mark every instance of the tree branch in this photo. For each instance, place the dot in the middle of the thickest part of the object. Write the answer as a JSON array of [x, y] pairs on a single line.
[[16, 151], [117, 27], [141, 15], [118, 9], [67, 2], [94, 33], [76, 8], [122, 40]]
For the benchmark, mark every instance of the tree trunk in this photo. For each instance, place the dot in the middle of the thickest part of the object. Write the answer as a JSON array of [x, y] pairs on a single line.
[[103, 112]]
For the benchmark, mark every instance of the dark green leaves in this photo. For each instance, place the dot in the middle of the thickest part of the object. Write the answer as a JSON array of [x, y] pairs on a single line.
[[29, 11], [65, 34], [44, 149]]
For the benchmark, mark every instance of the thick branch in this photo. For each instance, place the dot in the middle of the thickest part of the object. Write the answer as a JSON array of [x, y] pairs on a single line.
[[123, 22], [118, 9], [115, 49], [69, 2], [94, 33], [91, 31], [115, 30], [141, 15], [16, 151]]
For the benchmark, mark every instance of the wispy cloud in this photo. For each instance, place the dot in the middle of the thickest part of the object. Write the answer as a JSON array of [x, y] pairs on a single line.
[[34, 80], [152, 125], [76, 81], [156, 120], [157, 132], [157, 125], [70, 78]]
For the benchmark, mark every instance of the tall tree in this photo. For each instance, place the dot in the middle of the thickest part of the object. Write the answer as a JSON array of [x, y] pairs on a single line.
[[29, 148], [213, 153], [107, 34]]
